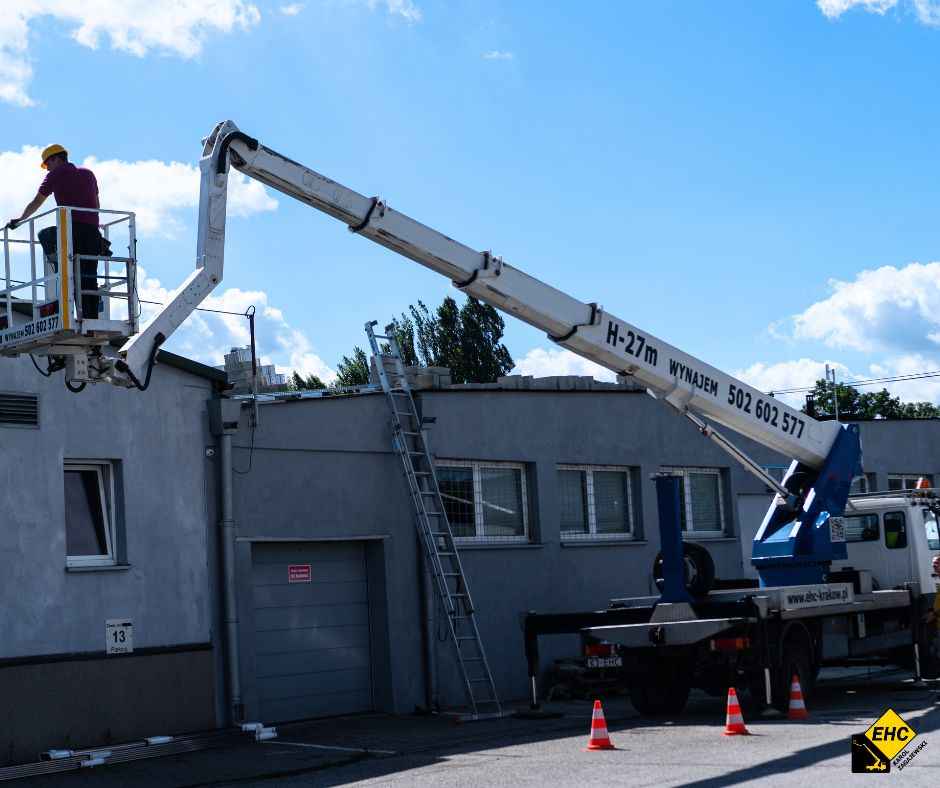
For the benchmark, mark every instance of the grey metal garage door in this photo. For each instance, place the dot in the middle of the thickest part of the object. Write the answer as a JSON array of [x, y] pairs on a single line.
[[311, 629]]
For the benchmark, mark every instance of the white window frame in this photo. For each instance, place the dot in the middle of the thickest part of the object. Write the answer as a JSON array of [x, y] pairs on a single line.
[[477, 468], [687, 503], [592, 534], [105, 472], [905, 477]]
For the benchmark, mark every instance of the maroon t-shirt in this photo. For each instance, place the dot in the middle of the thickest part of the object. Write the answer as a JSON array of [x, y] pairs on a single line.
[[75, 186]]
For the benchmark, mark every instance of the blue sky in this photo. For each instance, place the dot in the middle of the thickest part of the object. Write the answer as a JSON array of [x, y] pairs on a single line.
[[704, 170]]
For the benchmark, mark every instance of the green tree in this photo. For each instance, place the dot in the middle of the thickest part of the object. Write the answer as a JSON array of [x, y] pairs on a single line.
[[353, 371], [465, 339], [309, 382], [854, 404]]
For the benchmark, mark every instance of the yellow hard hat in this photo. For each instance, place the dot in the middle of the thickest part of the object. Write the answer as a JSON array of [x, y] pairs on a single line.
[[51, 150]]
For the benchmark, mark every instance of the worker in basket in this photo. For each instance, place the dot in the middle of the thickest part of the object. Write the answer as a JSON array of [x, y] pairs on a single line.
[[76, 187]]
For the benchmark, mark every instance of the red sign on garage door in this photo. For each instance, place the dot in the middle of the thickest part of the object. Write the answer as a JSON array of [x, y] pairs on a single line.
[[299, 573]]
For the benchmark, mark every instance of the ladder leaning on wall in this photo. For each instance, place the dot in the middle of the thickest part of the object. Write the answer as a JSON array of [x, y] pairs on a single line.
[[433, 526]]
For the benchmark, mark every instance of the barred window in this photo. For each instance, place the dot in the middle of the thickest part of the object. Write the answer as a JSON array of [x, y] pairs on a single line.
[[456, 485], [907, 481], [484, 501], [862, 484], [702, 498], [595, 501]]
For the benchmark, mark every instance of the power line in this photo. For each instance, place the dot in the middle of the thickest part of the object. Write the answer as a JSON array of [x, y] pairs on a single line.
[[868, 382], [198, 308]]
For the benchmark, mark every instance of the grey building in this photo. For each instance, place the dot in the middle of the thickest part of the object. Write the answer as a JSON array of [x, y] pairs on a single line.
[[108, 497], [237, 367], [114, 501], [548, 483]]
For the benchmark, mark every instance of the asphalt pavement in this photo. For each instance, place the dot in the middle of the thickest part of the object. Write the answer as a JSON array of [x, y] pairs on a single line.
[[690, 750]]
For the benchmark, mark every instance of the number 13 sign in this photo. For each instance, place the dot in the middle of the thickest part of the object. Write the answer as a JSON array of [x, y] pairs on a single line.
[[119, 636]]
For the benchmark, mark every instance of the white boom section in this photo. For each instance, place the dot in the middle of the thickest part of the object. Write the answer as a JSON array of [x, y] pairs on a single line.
[[585, 329]]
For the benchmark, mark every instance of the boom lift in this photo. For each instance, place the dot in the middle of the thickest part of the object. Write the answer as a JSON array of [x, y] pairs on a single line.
[[795, 543]]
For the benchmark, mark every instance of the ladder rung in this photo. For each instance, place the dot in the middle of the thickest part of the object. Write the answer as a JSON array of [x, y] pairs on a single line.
[[471, 659], [421, 473], [408, 432], [478, 681], [466, 637]]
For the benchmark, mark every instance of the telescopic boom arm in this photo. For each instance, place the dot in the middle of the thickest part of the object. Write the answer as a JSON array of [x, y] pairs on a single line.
[[584, 328], [791, 542]]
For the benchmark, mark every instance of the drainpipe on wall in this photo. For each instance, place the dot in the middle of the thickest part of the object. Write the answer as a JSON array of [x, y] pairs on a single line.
[[224, 415], [432, 701]]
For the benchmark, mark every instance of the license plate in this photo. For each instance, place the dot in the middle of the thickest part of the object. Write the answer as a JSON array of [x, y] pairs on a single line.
[[605, 662]]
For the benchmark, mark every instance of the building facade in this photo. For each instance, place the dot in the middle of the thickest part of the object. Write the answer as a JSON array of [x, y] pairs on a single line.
[[105, 551], [547, 484], [116, 510], [237, 367]]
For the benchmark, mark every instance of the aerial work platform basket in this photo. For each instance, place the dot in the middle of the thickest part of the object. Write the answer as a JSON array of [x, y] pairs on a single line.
[[66, 295]]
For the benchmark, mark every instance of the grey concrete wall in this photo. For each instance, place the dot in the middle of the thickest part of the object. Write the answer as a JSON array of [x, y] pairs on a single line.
[[324, 469], [93, 702], [159, 438]]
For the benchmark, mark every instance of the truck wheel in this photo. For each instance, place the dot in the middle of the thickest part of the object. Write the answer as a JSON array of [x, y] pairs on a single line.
[[797, 661], [658, 700], [699, 569]]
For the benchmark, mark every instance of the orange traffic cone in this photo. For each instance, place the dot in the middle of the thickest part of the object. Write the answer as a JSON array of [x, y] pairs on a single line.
[[734, 725], [600, 740], [797, 709]]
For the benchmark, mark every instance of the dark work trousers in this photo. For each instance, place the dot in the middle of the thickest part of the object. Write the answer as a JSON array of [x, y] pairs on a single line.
[[86, 239]]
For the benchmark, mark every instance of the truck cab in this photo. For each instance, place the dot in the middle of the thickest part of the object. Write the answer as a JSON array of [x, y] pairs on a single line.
[[894, 536]]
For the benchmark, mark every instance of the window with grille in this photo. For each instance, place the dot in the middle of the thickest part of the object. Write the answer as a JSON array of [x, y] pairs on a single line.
[[862, 484], [89, 514], [703, 506], [595, 502], [907, 481], [484, 501]]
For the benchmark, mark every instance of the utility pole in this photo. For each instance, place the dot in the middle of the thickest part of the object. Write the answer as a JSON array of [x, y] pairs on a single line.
[[835, 394]]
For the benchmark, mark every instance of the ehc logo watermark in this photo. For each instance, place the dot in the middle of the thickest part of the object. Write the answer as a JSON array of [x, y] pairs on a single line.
[[888, 742]]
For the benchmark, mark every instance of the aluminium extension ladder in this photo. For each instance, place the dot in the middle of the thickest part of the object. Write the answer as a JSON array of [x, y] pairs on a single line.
[[434, 528]]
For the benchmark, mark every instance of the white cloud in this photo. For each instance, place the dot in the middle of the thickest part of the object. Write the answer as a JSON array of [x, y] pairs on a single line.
[[541, 363], [803, 372], [923, 390], [406, 9], [178, 27], [895, 309], [208, 336], [496, 54], [162, 194], [291, 10], [926, 11], [835, 8]]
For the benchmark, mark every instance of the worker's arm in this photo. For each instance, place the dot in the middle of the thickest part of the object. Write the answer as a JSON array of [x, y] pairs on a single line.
[[28, 211]]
